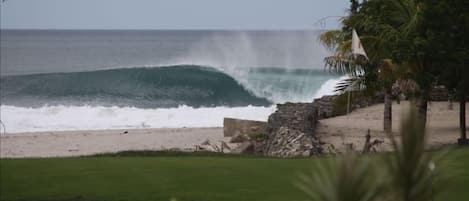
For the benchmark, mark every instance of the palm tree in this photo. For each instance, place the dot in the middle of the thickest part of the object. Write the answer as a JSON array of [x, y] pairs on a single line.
[[376, 73], [390, 33]]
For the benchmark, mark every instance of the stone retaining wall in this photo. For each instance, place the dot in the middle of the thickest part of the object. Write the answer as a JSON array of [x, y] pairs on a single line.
[[335, 105], [325, 106]]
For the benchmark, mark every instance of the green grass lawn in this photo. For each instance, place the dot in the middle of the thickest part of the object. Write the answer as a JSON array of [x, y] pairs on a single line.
[[186, 177]]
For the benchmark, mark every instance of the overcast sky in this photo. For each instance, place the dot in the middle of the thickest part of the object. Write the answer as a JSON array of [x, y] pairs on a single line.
[[170, 14]]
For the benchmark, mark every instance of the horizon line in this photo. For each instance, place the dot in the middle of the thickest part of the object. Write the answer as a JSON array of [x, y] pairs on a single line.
[[183, 29]]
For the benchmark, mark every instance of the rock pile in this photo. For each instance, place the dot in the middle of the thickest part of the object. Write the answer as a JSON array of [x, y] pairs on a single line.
[[287, 142], [290, 131]]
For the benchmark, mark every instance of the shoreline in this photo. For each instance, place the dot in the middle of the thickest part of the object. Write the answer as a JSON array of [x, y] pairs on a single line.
[[339, 132]]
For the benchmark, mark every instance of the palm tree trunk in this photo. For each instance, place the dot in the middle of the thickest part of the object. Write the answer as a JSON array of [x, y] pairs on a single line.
[[387, 121], [422, 106], [462, 119]]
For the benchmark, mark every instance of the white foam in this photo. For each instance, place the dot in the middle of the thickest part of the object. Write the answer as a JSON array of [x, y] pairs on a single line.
[[55, 118]]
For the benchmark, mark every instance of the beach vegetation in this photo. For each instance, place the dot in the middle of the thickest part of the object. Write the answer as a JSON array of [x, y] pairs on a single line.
[[372, 73]]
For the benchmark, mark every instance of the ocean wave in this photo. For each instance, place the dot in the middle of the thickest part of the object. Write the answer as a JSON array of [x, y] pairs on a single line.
[[153, 97], [165, 87], [161, 87]]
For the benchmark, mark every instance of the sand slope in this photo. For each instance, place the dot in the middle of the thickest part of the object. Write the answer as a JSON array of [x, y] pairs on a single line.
[[442, 125]]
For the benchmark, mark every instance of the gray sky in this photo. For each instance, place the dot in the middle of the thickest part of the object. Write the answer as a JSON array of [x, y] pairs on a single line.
[[170, 14]]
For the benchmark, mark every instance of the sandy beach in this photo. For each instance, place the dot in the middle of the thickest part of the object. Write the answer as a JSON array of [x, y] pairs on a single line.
[[77, 143], [442, 126], [338, 131]]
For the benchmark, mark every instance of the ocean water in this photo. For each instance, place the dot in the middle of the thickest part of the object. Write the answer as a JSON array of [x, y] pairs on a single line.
[[69, 80]]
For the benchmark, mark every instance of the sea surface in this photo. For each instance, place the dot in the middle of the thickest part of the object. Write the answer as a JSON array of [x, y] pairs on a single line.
[[95, 79]]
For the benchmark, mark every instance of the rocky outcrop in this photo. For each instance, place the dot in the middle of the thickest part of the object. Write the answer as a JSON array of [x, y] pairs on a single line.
[[287, 142], [296, 116]]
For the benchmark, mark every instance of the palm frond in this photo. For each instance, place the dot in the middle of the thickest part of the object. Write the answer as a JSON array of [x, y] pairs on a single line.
[[350, 84], [337, 64], [343, 64], [331, 39]]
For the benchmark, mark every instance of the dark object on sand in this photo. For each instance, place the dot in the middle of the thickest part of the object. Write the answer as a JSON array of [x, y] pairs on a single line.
[[370, 146]]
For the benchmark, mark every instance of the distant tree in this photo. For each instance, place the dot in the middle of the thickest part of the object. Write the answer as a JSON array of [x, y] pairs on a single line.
[[426, 39]]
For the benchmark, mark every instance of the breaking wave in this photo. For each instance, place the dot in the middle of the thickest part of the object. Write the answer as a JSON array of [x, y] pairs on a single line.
[[155, 97]]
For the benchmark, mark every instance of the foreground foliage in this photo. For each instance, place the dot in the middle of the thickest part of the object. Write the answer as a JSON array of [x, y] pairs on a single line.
[[406, 174]]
